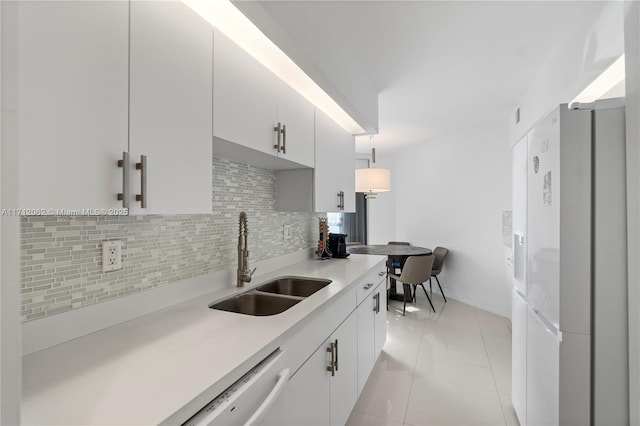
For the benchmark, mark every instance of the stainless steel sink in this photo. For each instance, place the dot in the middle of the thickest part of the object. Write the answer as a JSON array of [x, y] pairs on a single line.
[[257, 304], [294, 286]]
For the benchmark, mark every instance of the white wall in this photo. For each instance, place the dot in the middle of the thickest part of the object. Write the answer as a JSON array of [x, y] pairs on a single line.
[[451, 192], [574, 63]]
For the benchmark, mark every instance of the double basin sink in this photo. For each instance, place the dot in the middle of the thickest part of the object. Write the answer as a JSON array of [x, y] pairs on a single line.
[[272, 297]]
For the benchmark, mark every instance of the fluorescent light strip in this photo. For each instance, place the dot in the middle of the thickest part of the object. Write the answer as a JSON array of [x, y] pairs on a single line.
[[603, 83], [223, 15]]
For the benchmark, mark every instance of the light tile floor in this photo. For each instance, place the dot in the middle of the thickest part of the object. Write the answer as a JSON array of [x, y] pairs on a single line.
[[452, 367]]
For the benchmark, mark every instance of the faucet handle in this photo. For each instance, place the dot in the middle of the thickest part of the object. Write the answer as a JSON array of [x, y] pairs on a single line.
[[251, 273]]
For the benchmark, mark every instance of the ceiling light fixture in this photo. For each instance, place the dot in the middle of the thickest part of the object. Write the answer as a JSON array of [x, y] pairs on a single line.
[[372, 181], [227, 18]]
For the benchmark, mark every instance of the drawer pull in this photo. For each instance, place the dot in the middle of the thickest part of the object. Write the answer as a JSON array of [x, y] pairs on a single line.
[[380, 274], [368, 286], [332, 365], [124, 195]]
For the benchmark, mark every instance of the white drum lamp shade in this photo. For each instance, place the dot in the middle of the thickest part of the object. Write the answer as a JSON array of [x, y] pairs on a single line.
[[373, 181]]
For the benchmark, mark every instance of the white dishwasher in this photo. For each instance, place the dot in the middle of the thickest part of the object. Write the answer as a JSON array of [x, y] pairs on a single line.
[[255, 399]]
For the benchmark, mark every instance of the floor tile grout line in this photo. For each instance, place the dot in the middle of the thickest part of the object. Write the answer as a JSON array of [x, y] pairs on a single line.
[[493, 376]]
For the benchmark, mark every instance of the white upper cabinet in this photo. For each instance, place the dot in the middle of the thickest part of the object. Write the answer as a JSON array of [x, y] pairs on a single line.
[[250, 103], [245, 101], [297, 115], [334, 167], [171, 69], [330, 186], [72, 68]]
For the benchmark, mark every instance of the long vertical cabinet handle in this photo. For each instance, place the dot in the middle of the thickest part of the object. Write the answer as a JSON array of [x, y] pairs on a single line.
[[278, 130], [124, 195], [332, 365], [336, 346], [142, 166], [378, 303], [284, 138]]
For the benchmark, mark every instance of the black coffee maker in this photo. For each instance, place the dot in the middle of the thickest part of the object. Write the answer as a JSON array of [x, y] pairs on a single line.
[[338, 245]]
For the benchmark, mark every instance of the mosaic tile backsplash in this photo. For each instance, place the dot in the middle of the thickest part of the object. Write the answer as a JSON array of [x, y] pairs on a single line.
[[62, 256]]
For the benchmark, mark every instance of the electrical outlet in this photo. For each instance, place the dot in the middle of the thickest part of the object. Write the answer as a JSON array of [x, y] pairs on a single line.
[[286, 232], [111, 255]]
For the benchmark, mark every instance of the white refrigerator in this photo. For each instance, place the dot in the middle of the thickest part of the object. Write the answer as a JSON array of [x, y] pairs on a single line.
[[569, 319]]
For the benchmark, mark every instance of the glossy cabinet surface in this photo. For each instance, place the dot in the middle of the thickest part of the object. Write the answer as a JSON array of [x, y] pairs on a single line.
[[372, 330], [72, 84], [308, 392], [245, 100], [170, 108], [344, 385], [297, 114], [380, 337], [249, 101], [334, 167], [330, 186], [357, 319]]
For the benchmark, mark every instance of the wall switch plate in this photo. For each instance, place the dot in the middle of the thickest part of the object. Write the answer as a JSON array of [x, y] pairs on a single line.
[[286, 232], [111, 255]]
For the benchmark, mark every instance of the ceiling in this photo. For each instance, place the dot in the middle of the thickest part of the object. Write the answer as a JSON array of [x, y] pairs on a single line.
[[440, 67]]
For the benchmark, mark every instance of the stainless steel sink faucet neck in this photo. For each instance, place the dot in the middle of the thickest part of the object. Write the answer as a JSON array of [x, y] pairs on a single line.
[[244, 274]]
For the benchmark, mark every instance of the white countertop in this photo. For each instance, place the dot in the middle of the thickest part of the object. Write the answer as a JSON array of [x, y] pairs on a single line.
[[166, 365]]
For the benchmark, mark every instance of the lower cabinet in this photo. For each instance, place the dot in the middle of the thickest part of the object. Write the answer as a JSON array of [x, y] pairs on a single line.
[[332, 356], [344, 384], [372, 331], [380, 336], [324, 390], [309, 392]]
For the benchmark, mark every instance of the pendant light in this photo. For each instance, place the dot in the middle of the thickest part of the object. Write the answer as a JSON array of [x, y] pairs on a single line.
[[372, 181]]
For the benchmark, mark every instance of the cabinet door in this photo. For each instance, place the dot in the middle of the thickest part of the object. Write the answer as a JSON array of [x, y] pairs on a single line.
[[245, 98], [380, 319], [326, 178], [297, 114], [344, 385], [308, 392], [170, 107], [334, 166], [347, 161], [72, 106], [366, 340]]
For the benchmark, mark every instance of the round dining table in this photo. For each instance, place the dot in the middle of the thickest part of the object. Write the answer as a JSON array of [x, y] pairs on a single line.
[[391, 250]]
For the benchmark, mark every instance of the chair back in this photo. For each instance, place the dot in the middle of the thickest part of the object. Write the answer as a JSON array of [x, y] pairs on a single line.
[[440, 254], [417, 269]]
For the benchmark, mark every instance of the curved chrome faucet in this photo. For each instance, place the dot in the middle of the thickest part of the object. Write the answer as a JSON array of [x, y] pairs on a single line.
[[243, 273]]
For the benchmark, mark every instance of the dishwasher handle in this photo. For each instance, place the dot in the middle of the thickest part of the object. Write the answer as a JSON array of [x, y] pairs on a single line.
[[255, 419]]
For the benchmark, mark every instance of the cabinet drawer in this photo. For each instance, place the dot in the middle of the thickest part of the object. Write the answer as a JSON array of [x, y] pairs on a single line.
[[370, 280]]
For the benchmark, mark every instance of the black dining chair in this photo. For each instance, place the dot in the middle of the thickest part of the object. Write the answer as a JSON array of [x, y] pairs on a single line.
[[440, 254]]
